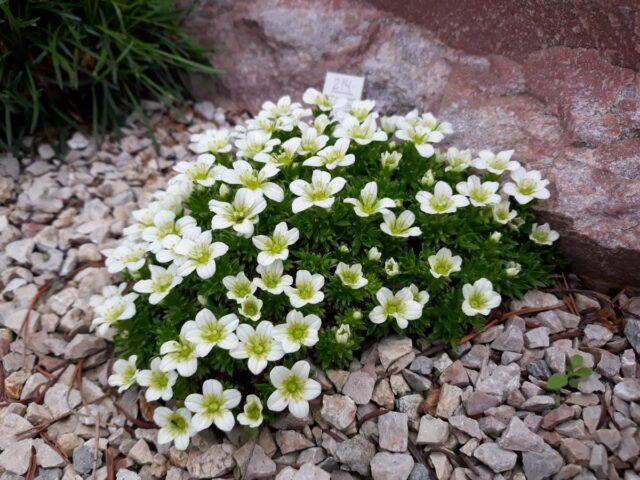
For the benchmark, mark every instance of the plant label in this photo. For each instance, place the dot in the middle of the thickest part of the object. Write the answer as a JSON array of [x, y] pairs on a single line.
[[339, 85]]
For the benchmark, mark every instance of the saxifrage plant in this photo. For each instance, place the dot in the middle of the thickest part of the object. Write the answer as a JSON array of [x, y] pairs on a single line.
[[302, 235], [86, 63]]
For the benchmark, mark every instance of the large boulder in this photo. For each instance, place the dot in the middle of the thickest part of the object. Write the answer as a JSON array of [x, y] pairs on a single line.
[[573, 113]]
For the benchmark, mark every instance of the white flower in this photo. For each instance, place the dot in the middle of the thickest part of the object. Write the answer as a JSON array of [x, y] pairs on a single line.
[[543, 235], [311, 141], [362, 133], [369, 203], [512, 269], [321, 122], [308, 289], [252, 412], [361, 109], [420, 296], [421, 136], [166, 231], [257, 345], [161, 283], [124, 373], [320, 192], [480, 194], [251, 308], [180, 355], [401, 306], [275, 247], [526, 186], [298, 330], [390, 160], [213, 406], [343, 333], [443, 263], [400, 226], [294, 389], [322, 101], [241, 214], [457, 160], [143, 218], [239, 287], [113, 310], [479, 298], [496, 163], [129, 256], [351, 275], [159, 384], [200, 254], [441, 200], [432, 123], [332, 156], [106, 293], [255, 180], [374, 254], [271, 278], [283, 158], [502, 214], [207, 332], [391, 267], [201, 171], [254, 143], [210, 141], [389, 123], [175, 426], [284, 107]]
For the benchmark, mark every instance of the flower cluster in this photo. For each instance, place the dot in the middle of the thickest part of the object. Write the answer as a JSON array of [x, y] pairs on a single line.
[[310, 226]]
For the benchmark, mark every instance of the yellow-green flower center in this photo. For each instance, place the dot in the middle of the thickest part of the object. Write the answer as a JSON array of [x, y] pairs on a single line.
[[527, 186], [253, 411], [298, 331], [292, 387], [258, 346], [213, 332], [159, 380], [477, 300], [213, 405]]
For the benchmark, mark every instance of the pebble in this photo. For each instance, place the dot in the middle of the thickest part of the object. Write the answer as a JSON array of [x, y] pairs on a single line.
[[596, 335], [359, 386], [392, 348], [496, 458], [16, 457], [432, 431], [628, 389], [540, 465], [393, 431], [259, 466], [215, 461], [449, 401], [356, 454], [537, 338], [391, 466], [338, 410], [518, 437]]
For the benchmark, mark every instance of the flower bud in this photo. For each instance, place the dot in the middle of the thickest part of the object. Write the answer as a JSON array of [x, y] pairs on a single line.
[[495, 237], [391, 267], [224, 190], [343, 248], [202, 300], [513, 269], [357, 315], [390, 160], [428, 178], [374, 254], [343, 333]]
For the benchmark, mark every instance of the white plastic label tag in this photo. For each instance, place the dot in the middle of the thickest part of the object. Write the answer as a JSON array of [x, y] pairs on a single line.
[[339, 85]]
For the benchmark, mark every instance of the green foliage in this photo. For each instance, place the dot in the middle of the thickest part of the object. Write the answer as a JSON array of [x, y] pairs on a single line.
[[571, 377], [86, 63]]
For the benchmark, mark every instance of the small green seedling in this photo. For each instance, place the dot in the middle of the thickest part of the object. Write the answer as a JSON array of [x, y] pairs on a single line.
[[571, 377]]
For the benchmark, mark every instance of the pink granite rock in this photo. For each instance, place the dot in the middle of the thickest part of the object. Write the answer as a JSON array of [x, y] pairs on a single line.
[[505, 77]]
